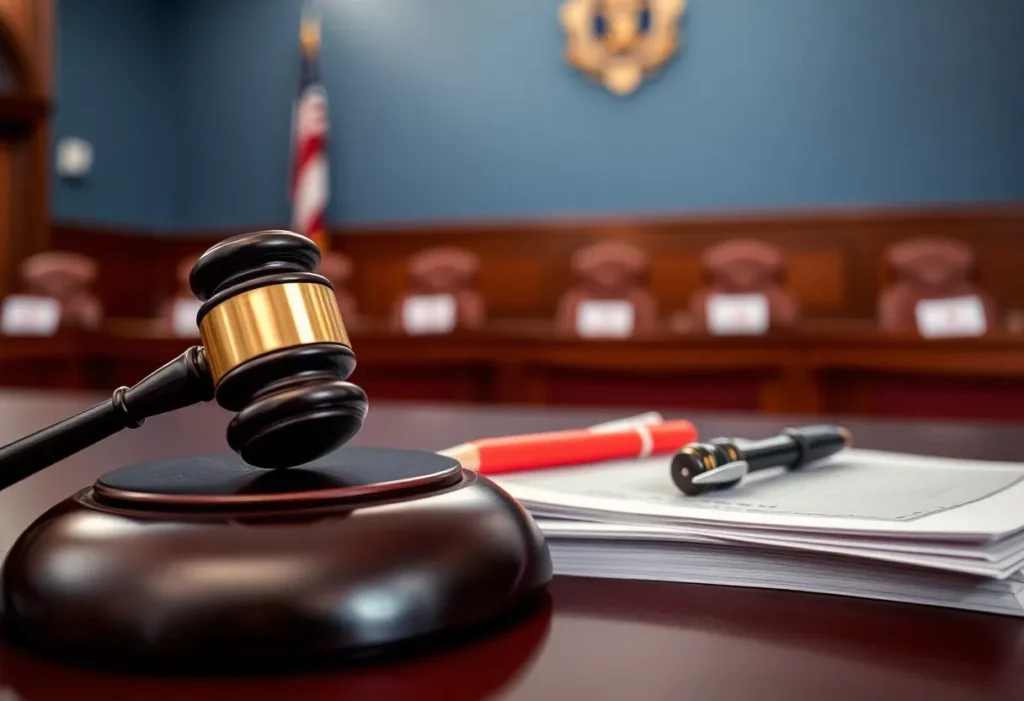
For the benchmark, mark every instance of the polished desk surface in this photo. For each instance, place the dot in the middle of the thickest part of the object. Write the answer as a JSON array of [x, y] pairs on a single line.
[[594, 639]]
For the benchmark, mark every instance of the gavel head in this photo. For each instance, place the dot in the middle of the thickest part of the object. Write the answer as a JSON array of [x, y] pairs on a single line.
[[276, 348]]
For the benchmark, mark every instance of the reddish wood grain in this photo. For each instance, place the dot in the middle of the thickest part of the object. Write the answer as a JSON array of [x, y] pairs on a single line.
[[833, 256], [847, 371], [599, 639]]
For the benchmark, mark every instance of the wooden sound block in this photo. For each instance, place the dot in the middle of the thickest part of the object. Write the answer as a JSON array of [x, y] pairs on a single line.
[[207, 562]]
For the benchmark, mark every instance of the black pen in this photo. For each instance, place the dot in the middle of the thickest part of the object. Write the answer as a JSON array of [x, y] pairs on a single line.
[[721, 463]]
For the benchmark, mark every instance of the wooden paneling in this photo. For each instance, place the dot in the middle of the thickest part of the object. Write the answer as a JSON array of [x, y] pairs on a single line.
[[26, 47], [809, 372], [43, 22], [674, 278], [818, 280], [6, 195], [134, 271], [28, 43], [834, 258], [380, 281], [517, 286]]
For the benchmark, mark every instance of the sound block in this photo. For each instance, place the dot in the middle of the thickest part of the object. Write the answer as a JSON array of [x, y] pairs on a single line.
[[209, 562]]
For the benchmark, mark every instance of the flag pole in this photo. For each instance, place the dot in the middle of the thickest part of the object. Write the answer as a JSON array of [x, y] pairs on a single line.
[[309, 45], [311, 39]]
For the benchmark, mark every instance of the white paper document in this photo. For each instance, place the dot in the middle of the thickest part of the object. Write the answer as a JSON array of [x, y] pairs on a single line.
[[855, 491], [949, 318], [966, 563], [865, 512], [817, 573]]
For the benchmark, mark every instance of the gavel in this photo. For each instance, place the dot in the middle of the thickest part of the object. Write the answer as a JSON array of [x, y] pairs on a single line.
[[274, 350], [180, 560]]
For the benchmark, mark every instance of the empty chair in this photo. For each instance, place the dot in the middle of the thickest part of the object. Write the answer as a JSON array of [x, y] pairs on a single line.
[[178, 313], [932, 290], [337, 267], [65, 278], [441, 296], [743, 292], [611, 298]]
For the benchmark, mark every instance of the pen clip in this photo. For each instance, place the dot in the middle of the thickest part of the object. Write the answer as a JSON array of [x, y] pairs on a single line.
[[729, 472]]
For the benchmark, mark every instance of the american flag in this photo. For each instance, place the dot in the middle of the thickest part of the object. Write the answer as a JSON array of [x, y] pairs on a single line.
[[310, 188]]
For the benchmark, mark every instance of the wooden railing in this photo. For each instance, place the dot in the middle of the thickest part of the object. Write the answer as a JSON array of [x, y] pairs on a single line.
[[844, 369]]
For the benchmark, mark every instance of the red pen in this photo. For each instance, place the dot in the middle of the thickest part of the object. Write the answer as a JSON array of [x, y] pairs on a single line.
[[576, 447]]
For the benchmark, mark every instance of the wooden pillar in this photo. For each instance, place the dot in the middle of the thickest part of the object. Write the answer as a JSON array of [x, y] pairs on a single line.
[[26, 49]]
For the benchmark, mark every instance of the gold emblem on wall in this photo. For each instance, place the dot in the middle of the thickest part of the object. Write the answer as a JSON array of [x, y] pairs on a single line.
[[620, 42]]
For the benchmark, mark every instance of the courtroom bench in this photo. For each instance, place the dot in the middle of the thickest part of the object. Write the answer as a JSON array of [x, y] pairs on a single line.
[[836, 368]]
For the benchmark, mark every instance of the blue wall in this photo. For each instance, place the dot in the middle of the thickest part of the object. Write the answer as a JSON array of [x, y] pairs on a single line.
[[238, 75], [113, 70], [461, 108]]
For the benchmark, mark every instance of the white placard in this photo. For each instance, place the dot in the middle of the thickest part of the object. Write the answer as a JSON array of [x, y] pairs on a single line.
[[605, 318], [183, 318], [30, 315], [737, 315], [951, 317], [423, 314]]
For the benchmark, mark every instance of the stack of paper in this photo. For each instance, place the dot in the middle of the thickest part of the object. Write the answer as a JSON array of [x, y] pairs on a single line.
[[862, 523]]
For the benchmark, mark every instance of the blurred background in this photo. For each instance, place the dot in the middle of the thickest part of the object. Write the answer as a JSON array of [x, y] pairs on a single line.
[[811, 207]]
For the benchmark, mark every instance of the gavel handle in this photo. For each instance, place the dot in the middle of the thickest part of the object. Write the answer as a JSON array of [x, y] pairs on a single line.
[[182, 382]]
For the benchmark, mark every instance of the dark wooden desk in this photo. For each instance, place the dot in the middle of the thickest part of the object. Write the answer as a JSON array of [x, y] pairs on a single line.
[[598, 639]]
